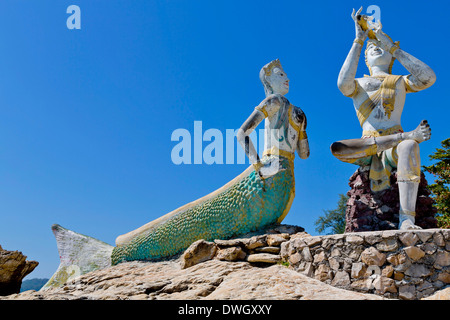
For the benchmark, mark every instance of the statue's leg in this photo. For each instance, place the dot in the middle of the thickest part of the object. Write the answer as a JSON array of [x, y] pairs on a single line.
[[353, 149], [408, 179]]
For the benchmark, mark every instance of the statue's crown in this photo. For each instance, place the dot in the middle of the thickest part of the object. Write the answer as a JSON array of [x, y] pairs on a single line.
[[269, 67]]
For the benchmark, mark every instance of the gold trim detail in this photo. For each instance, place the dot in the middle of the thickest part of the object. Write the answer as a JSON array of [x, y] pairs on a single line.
[[393, 49], [263, 110], [407, 85], [385, 95], [360, 41], [257, 166], [385, 132], [279, 152], [268, 69]]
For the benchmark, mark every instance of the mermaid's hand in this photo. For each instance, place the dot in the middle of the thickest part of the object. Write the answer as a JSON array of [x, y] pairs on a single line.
[[270, 169]]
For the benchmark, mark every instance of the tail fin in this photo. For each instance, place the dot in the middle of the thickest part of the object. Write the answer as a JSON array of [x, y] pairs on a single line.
[[78, 254]]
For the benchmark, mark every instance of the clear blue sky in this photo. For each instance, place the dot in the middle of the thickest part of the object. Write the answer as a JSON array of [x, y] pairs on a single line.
[[87, 115]]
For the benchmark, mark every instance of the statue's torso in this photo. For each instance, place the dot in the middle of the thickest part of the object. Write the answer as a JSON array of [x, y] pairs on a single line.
[[379, 119], [276, 134]]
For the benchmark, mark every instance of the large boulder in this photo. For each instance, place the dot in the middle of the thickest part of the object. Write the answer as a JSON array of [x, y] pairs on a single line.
[[13, 268]]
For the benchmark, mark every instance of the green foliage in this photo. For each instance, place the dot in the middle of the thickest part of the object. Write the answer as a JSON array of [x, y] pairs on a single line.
[[334, 219], [440, 189], [284, 264]]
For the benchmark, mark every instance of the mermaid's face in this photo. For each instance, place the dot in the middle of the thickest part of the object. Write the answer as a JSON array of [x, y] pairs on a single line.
[[279, 81]]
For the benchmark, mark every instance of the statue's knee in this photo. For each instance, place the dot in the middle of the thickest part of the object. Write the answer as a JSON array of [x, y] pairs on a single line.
[[337, 148], [408, 147]]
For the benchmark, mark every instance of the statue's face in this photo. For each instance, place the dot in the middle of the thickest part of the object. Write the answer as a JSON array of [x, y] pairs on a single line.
[[279, 81], [376, 56]]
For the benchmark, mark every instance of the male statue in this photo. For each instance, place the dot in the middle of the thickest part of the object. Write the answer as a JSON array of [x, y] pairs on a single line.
[[379, 100]]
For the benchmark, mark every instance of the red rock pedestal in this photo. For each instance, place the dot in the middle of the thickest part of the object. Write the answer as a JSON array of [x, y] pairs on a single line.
[[372, 211]]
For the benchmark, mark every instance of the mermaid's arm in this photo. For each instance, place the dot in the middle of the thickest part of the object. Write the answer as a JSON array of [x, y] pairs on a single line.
[[265, 109], [243, 136], [302, 143]]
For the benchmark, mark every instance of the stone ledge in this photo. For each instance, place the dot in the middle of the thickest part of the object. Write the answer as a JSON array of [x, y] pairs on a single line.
[[394, 264]]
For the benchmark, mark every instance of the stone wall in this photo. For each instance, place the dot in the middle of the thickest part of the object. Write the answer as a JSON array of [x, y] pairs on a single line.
[[392, 263], [395, 264]]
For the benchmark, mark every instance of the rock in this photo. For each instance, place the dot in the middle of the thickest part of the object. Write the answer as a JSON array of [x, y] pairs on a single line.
[[354, 239], [273, 250], [407, 292], [384, 284], [256, 241], [444, 277], [211, 280], [408, 238], [322, 273], [341, 279], [414, 253], [364, 284], [418, 271], [13, 268], [197, 252], [442, 259], [372, 256], [388, 271], [440, 295], [231, 254], [396, 259], [295, 258], [306, 254], [371, 211], [438, 239], [358, 270], [387, 245], [277, 239], [263, 258]]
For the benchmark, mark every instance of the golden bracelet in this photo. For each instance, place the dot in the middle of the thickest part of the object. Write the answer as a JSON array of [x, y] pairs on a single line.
[[258, 165], [302, 135], [393, 49], [361, 42]]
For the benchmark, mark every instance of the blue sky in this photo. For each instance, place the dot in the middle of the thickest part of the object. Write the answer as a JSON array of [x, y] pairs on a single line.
[[87, 115]]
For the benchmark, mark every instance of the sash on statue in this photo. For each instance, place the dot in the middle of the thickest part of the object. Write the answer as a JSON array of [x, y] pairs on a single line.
[[380, 170]]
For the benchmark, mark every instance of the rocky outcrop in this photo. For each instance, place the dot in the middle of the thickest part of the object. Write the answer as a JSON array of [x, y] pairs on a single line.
[[373, 211], [210, 280], [282, 263], [13, 268]]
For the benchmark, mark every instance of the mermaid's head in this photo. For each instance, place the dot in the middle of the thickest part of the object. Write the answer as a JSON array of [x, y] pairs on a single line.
[[274, 79]]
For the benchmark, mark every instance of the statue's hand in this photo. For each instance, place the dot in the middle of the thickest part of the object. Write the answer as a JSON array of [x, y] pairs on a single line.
[[383, 40], [359, 32]]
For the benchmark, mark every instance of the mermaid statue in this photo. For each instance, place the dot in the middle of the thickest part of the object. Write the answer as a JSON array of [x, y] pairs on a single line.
[[260, 196]]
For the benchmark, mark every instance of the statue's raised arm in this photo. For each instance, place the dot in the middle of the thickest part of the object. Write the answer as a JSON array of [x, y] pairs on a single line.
[[421, 75], [346, 79]]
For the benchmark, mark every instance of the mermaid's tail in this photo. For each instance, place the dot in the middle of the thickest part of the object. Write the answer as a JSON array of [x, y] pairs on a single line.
[[79, 254], [245, 204]]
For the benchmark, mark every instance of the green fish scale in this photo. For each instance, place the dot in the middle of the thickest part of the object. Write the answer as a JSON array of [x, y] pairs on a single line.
[[247, 206]]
